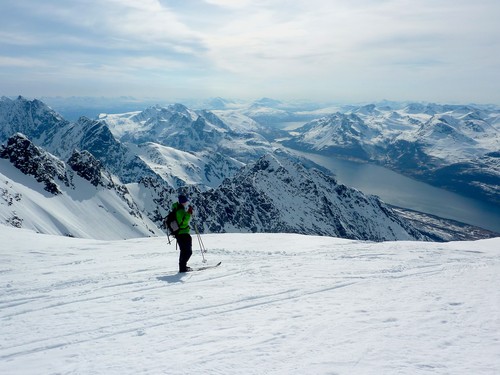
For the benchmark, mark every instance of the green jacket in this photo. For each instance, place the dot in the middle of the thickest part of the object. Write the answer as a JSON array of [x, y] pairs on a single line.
[[183, 218]]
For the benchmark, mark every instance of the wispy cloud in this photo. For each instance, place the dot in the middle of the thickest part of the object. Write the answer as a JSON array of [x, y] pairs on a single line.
[[315, 48]]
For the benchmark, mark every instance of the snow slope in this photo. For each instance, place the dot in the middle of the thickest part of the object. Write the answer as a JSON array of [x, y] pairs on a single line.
[[279, 304], [181, 168], [79, 211]]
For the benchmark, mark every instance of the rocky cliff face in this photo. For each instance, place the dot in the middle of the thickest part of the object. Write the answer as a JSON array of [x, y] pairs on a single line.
[[34, 161], [83, 200], [89, 168], [276, 194]]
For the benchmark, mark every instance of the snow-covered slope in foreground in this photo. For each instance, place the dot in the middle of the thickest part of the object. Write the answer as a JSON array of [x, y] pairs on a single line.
[[278, 304]]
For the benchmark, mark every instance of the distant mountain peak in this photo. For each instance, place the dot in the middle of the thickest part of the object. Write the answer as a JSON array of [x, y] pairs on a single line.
[[30, 117], [267, 102]]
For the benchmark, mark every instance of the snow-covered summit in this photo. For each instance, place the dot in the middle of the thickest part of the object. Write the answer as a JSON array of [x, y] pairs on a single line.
[[153, 123], [340, 133], [188, 130], [30, 117]]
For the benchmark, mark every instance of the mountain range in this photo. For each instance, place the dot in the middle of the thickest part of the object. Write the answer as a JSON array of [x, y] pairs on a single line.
[[455, 147], [125, 170]]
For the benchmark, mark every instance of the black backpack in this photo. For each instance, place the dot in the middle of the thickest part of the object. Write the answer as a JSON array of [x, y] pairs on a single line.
[[171, 223]]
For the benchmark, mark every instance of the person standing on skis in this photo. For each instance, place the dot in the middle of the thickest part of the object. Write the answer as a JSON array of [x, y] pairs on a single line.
[[184, 240]]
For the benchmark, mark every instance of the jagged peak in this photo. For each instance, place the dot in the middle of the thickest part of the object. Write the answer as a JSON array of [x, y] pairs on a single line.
[[178, 107], [161, 112], [90, 168], [19, 135], [368, 109], [37, 103], [83, 120], [35, 161], [20, 141], [268, 161], [279, 194]]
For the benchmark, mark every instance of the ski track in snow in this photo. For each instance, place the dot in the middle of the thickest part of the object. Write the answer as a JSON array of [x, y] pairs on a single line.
[[278, 304]]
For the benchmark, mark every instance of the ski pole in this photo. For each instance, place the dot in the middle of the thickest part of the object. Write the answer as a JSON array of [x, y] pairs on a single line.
[[202, 245], [200, 242]]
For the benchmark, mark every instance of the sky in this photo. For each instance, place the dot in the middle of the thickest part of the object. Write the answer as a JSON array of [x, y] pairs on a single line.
[[318, 50]]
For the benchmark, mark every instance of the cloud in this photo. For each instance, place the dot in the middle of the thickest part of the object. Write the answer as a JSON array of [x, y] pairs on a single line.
[[232, 4], [311, 48], [106, 23], [340, 43], [17, 62]]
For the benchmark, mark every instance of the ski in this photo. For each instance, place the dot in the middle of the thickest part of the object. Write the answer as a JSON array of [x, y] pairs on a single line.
[[206, 267]]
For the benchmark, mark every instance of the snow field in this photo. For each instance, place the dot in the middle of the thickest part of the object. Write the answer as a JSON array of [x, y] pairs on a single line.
[[278, 304]]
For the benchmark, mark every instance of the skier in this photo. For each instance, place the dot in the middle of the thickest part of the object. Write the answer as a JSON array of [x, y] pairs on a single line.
[[184, 240]]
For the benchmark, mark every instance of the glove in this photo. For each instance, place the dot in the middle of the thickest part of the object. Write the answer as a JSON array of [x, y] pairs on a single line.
[[190, 210]]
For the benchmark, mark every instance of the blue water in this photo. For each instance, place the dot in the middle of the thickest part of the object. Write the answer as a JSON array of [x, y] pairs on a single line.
[[398, 190]]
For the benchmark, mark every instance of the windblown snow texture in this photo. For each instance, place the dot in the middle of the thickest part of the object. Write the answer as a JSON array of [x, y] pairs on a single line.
[[278, 304]]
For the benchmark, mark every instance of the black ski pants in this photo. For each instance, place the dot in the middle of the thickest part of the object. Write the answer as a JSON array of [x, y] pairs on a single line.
[[185, 243]]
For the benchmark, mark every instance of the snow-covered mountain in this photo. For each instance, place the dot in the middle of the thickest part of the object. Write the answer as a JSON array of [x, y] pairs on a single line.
[[185, 146], [188, 130], [178, 168], [462, 132], [279, 304], [450, 146], [31, 118], [45, 128], [454, 136], [274, 193], [339, 134], [271, 195], [38, 191], [204, 159]]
